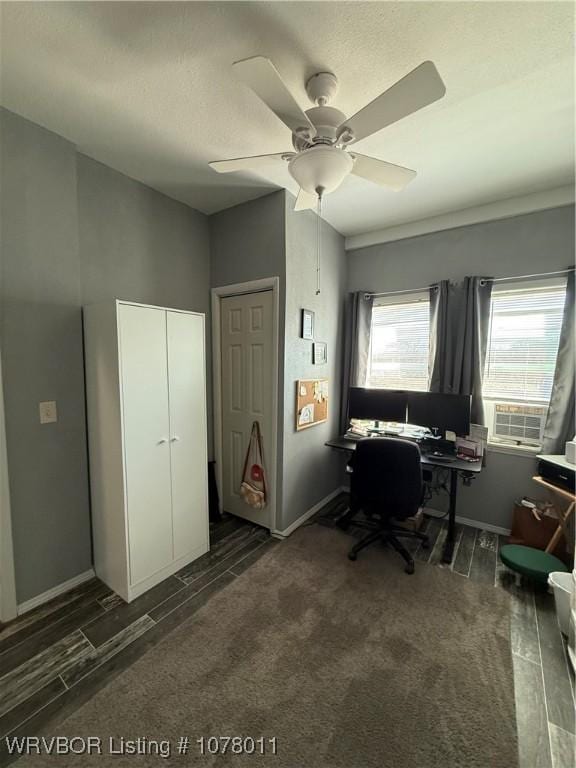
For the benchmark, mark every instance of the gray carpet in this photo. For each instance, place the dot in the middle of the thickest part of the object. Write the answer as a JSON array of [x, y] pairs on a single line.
[[346, 664]]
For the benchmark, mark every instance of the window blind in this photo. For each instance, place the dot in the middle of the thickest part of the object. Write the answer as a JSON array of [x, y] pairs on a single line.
[[399, 345], [523, 343]]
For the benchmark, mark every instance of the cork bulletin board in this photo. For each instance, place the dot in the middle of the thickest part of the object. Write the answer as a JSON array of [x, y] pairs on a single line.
[[311, 402]]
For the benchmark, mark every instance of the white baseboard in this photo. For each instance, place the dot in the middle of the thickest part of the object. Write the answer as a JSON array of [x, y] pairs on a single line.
[[466, 521], [66, 586], [307, 515], [432, 512], [483, 526]]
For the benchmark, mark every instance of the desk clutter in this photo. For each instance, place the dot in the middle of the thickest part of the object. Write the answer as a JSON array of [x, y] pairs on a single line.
[[545, 525], [470, 449], [534, 523]]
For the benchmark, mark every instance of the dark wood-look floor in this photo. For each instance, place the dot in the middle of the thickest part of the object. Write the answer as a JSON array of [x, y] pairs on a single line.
[[55, 658]]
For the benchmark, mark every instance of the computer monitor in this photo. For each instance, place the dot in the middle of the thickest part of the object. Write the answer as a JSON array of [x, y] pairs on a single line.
[[378, 404], [440, 412]]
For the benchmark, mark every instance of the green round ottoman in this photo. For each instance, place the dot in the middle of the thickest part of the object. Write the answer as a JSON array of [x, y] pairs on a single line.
[[532, 563]]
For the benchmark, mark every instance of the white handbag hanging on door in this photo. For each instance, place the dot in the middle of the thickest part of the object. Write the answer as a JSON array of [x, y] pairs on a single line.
[[253, 487]]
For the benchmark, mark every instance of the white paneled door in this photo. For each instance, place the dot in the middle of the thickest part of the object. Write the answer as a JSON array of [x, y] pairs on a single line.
[[146, 439], [187, 385], [247, 378]]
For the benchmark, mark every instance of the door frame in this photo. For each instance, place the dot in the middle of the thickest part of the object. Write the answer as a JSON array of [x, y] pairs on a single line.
[[219, 293], [8, 605]]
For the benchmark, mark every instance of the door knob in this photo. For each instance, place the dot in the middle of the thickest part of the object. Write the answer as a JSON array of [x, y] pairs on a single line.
[[173, 439], [162, 440]]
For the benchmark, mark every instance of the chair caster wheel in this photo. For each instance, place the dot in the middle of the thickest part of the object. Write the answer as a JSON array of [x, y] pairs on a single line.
[[425, 544], [409, 568], [352, 556]]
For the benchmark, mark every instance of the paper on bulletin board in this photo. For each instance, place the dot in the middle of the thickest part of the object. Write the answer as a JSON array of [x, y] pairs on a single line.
[[306, 415]]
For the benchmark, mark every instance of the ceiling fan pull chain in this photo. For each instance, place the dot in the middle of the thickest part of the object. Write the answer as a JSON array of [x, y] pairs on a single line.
[[318, 240]]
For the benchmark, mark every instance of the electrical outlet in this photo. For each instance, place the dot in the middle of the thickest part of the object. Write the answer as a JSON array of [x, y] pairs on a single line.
[[48, 412]]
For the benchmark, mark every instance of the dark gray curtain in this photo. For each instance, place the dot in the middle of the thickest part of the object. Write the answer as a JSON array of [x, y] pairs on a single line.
[[357, 325], [560, 421], [470, 353], [460, 319], [440, 343]]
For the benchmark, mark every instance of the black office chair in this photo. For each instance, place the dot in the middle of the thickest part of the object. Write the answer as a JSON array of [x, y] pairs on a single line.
[[386, 485]]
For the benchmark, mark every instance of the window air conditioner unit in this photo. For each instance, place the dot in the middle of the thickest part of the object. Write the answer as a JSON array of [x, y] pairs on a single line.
[[518, 422]]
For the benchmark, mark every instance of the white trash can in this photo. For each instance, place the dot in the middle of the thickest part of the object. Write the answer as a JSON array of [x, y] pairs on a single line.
[[562, 584]]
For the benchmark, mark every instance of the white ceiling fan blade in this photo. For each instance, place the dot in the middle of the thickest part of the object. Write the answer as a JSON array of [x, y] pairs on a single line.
[[259, 74], [382, 173], [417, 89], [305, 200], [255, 163]]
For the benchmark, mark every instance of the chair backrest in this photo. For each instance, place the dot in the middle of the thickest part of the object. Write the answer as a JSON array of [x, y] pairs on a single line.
[[386, 476]]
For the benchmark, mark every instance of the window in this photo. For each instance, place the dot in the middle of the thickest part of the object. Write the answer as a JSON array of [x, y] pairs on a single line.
[[399, 342], [525, 325]]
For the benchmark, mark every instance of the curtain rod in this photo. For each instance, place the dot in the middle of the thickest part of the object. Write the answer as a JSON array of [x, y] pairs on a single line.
[[527, 277], [486, 280], [395, 293]]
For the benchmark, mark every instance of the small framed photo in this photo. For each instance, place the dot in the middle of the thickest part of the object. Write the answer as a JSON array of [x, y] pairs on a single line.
[[307, 331], [319, 353]]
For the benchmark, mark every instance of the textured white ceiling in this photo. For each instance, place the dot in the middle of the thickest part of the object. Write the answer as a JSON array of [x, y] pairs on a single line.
[[147, 88]]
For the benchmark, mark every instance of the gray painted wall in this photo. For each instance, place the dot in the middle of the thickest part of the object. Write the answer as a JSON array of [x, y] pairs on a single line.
[[311, 471], [529, 244], [247, 242], [73, 232], [490, 498], [42, 356], [139, 245], [521, 245]]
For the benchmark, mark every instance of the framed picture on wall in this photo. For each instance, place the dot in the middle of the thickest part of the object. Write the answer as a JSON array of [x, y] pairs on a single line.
[[319, 353], [307, 324]]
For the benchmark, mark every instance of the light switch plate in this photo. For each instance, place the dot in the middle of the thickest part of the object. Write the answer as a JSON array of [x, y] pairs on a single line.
[[48, 412]]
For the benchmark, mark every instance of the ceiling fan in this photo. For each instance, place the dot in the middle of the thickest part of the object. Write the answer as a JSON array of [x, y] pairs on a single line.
[[322, 135]]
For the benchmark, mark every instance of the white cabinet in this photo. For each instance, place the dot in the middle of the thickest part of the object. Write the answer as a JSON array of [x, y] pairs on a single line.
[[147, 434]]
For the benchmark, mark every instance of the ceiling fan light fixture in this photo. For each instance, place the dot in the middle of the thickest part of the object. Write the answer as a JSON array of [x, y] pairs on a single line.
[[321, 167], [322, 134]]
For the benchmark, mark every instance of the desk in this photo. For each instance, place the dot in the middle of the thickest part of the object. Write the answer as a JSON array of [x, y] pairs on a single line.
[[457, 467]]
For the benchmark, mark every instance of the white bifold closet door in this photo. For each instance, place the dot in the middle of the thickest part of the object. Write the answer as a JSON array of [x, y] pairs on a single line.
[[146, 439]]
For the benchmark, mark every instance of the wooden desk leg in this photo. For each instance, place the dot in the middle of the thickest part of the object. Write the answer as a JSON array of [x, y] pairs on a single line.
[[562, 528], [451, 535]]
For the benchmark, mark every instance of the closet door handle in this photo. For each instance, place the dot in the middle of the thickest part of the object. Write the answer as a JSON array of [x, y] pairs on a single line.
[[162, 440], [174, 439]]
